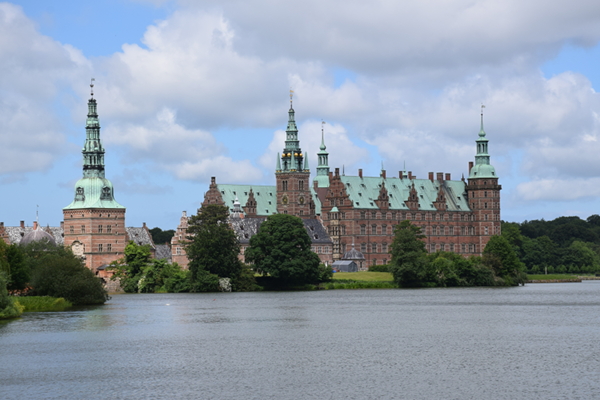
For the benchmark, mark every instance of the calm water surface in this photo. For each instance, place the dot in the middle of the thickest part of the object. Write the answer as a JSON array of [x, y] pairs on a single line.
[[535, 342]]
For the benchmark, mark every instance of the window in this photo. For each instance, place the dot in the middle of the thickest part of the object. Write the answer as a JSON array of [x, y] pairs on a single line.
[[284, 185], [373, 229], [484, 205], [100, 247], [384, 261], [486, 230], [319, 250], [71, 229], [363, 247], [178, 250], [384, 229], [393, 215], [373, 247], [301, 185], [343, 229], [363, 229], [485, 217], [99, 228], [452, 247], [374, 262], [108, 228], [452, 230], [362, 215], [109, 247], [374, 215], [384, 248], [82, 228], [464, 248]]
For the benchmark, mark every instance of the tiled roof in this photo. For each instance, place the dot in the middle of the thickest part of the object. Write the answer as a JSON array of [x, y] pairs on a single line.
[[364, 191], [16, 233], [245, 228], [265, 196], [140, 236], [163, 252]]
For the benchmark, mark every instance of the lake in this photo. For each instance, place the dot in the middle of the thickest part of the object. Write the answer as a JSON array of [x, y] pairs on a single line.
[[541, 341]]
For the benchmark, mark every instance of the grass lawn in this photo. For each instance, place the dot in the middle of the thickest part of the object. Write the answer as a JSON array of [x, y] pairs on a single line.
[[364, 276], [550, 276]]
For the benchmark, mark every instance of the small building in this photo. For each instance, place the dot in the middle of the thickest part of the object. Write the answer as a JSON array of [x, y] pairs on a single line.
[[345, 266]]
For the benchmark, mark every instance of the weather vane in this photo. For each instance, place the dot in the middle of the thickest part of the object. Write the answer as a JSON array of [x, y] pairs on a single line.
[[291, 96], [482, 107], [322, 126], [92, 86]]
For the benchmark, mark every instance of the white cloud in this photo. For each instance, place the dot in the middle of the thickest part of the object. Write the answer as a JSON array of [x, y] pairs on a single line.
[[189, 154], [33, 69], [559, 189]]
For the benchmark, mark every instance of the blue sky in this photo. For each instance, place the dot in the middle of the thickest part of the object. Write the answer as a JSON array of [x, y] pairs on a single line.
[[188, 90]]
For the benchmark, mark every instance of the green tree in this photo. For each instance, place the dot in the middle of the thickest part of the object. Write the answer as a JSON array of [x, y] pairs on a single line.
[[19, 270], [281, 248], [409, 264], [9, 308], [213, 246], [57, 272], [161, 237], [129, 269], [501, 257]]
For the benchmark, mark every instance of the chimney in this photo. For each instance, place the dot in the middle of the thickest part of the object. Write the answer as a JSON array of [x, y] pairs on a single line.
[[448, 177], [337, 172], [1, 224], [360, 173], [213, 180], [383, 173], [410, 175], [431, 176], [470, 166], [330, 175], [400, 175], [440, 176], [22, 224], [35, 225], [62, 225], [144, 225]]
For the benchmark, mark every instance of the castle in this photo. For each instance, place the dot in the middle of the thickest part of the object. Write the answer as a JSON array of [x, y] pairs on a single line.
[[342, 214], [94, 223], [341, 211]]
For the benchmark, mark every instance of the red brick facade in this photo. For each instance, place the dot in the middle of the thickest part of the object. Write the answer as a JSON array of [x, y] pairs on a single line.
[[97, 235]]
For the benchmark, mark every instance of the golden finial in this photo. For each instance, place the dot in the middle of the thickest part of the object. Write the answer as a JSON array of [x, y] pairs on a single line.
[[291, 97], [92, 87]]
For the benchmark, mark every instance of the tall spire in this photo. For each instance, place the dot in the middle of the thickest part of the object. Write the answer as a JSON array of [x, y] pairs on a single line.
[[93, 190], [482, 167], [292, 157], [322, 177], [93, 152]]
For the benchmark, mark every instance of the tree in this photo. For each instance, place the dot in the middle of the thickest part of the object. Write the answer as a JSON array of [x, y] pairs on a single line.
[[9, 308], [501, 257], [213, 245], [19, 270], [57, 272], [409, 264], [281, 248], [160, 237], [138, 272]]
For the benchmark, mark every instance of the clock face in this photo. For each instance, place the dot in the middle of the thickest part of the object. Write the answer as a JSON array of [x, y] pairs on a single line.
[[301, 200], [284, 199]]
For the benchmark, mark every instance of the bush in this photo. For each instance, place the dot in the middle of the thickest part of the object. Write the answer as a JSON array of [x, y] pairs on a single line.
[[65, 276], [244, 281], [9, 308], [325, 273], [43, 303], [205, 282], [379, 268]]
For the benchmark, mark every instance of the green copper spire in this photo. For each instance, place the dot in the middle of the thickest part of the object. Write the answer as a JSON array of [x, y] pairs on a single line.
[[482, 167], [93, 190], [292, 157], [93, 152], [322, 177], [278, 167]]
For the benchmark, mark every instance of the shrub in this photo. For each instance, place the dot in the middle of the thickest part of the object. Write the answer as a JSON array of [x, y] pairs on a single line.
[[44, 303], [9, 308], [379, 268], [65, 276]]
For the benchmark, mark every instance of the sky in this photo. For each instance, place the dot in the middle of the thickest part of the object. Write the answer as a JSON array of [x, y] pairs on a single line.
[[187, 90]]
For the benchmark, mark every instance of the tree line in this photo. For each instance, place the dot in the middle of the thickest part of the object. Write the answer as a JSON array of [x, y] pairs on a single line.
[[563, 245]]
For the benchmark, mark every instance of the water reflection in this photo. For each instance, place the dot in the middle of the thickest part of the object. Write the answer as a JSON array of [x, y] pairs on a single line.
[[538, 341]]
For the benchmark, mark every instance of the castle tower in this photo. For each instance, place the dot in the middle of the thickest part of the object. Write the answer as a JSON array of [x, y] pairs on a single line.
[[292, 175], [483, 192], [94, 223]]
